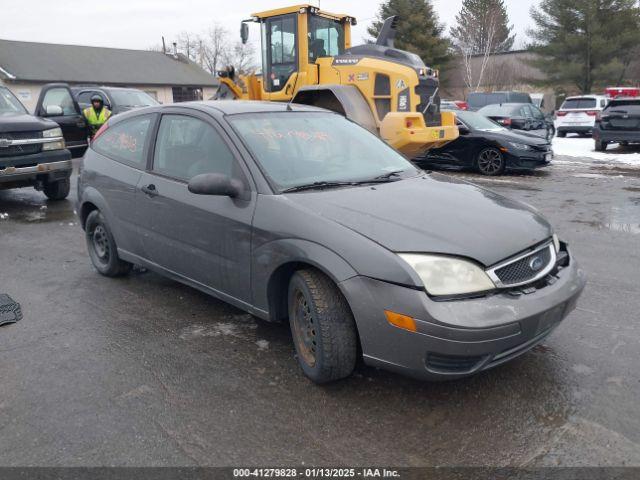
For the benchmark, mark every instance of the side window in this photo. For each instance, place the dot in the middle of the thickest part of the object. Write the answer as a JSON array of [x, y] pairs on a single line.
[[537, 113], [187, 146], [59, 97], [526, 111], [603, 103], [84, 98], [125, 141], [326, 37]]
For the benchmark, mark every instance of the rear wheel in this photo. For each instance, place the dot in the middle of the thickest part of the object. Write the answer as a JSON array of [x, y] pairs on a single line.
[[323, 329], [58, 190], [601, 146], [102, 247], [490, 162]]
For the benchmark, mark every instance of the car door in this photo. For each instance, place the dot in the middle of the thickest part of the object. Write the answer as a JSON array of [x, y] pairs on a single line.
[[540, 122], [114, 165], [56, 102], [205, 239]]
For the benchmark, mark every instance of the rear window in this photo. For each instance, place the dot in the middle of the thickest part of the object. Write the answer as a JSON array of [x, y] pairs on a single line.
[[577, 103], [627, 106], [499, 110], [479, 100]]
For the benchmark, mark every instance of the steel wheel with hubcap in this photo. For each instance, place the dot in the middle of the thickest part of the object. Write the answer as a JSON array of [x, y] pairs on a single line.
[[490, 162]]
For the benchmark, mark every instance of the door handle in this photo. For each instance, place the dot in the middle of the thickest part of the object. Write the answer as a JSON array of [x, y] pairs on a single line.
[[150, 190]]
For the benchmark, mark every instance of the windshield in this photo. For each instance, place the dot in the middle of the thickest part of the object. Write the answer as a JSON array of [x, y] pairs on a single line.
[[132, 98], [9, 104], [476, 121], [296, 149]]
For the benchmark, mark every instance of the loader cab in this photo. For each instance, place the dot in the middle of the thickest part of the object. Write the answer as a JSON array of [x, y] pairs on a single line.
[[293, 39]]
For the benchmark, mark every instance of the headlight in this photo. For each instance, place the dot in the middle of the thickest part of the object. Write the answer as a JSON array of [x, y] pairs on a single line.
[[52, 133], [556, 243], [444, 275], [520, 146], [58, 145]]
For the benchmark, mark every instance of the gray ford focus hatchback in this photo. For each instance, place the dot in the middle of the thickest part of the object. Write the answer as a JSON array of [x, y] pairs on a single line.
[[294, 213]]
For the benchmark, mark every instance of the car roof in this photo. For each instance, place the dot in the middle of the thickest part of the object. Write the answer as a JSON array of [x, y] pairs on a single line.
[[231, 107], [578, 97]]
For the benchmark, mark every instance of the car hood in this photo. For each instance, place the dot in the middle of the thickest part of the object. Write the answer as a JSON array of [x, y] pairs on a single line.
[[432, 214], [24, 123], [515, 136]]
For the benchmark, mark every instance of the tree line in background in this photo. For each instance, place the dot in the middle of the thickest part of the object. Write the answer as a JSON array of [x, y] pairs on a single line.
[[580, 44], [214, 50]]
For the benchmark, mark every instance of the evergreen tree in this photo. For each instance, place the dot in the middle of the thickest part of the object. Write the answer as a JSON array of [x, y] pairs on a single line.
[[419, 30], [482, 27], [586, 43]]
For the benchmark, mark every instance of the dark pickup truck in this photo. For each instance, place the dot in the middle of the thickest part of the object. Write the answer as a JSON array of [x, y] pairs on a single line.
[[36, 151], [619, 123]]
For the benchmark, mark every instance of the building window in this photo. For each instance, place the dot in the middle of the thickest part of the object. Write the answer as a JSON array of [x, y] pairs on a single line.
[[186, 94]]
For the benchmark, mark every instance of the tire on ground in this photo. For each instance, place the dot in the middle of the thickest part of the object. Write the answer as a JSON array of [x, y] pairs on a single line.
[[331, 321], [103, 251], [498, 157], [58, 190]]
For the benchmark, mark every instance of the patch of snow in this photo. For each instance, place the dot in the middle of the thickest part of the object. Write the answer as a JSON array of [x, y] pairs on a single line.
[[262, 344], [4, 216], [584, 148]]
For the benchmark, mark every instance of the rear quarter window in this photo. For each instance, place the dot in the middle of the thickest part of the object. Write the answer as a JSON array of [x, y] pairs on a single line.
[[125, 141]]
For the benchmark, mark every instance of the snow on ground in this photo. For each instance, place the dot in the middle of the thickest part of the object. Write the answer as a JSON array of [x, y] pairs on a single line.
[[584, 148]]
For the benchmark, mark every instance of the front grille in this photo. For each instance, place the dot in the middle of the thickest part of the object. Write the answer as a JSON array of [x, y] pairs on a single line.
[[525, 269], [16, 150], [452, 363]]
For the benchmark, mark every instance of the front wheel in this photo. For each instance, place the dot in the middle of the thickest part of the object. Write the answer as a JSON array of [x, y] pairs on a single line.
[[323, 328], [490, 162], [58, 190], [102, 247]]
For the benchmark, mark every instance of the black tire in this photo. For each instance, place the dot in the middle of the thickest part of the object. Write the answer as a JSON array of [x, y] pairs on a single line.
[[102, 247], [322, 326], [58, 190], [561, 134], [490, 162], [601, 146]]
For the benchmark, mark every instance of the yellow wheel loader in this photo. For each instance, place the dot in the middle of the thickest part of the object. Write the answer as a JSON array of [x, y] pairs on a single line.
[[307, 58]]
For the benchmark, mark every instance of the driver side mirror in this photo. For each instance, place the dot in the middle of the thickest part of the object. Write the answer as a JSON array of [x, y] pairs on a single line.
[[53, 111], [244, 32], [463, 130], [215, 184]]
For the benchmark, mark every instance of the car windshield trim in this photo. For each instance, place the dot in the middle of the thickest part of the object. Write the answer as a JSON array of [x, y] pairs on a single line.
[[401, 170]]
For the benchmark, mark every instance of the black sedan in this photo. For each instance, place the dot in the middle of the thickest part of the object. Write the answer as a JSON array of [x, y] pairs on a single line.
[[520, 116], [490, 148]]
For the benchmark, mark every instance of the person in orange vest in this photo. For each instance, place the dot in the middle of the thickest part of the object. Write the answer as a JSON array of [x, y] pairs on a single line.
[[96, 115]]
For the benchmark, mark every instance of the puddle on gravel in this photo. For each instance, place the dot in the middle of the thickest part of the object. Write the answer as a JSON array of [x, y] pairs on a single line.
[[624, 219], [28, 208]]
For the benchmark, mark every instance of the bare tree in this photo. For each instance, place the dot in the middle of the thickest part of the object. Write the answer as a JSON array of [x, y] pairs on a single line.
[[213, 48], [241, 57]]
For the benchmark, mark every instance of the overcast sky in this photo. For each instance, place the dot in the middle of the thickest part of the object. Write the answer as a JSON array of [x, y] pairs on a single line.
[[139, 24]]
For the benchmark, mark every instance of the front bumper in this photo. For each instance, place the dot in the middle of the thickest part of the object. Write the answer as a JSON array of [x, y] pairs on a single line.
[[458, 338], [46, 166], [617, 136], [526, 160]]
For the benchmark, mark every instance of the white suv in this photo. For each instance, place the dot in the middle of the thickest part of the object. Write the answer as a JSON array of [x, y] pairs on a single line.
[[578, 114]]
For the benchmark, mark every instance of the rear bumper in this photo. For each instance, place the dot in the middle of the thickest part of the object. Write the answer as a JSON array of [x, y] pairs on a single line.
[[456, 338], [408, 133], [45, 166], [574, 129], [617, 136]]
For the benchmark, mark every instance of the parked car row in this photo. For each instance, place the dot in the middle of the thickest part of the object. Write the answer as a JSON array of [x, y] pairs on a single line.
[[36, 150]]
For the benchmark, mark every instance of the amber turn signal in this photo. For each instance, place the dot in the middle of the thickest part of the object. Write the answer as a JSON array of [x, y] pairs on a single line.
[[401, 321]]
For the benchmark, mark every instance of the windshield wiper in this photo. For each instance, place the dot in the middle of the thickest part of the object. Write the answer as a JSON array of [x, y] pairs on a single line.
[[388, 175], [318, 185]]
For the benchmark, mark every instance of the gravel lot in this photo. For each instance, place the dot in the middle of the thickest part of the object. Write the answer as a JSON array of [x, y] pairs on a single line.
[[144, 371]]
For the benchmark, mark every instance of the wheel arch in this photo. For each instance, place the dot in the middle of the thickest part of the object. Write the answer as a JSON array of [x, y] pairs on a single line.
[[343, 99]]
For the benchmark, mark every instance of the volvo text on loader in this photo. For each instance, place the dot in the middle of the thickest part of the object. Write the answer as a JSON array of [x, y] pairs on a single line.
[[307, 58]]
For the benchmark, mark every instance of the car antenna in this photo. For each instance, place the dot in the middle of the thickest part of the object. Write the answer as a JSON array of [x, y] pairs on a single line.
[[289, 109]]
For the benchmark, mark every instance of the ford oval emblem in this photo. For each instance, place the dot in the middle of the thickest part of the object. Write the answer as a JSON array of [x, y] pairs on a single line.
[[536, 264]]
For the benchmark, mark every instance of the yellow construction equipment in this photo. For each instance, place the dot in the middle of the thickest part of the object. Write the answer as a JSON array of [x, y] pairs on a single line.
[[307, 58]]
